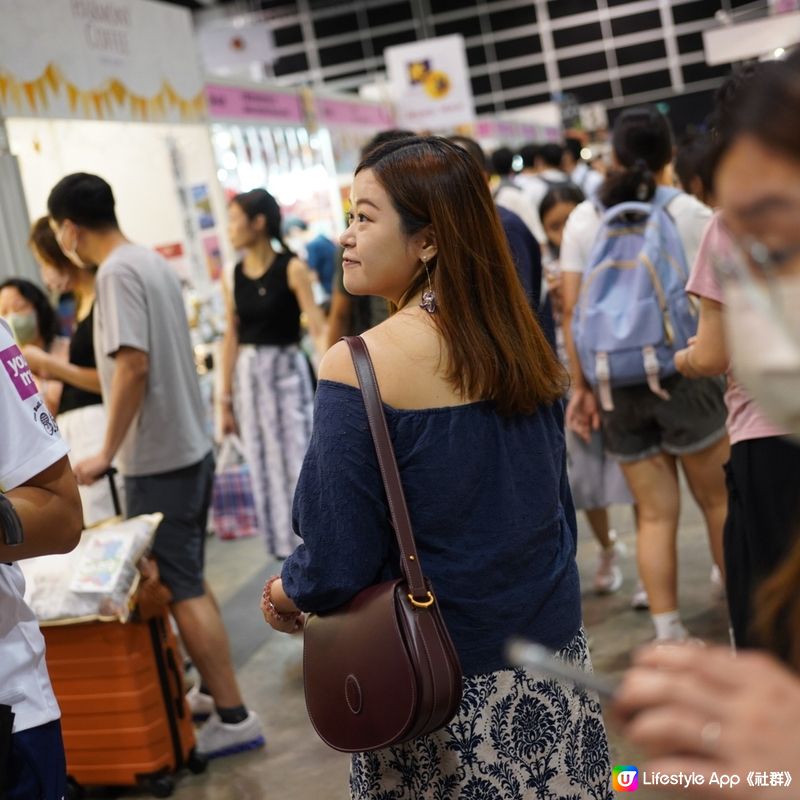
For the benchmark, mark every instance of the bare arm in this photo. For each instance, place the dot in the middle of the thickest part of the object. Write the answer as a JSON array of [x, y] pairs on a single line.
[[230, 351], [582, 414], [128, 387], [43, 363], [707, 353], [49, 508], [300, 282]]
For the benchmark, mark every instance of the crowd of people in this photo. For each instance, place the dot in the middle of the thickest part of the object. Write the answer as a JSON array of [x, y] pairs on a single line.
[[553, 340]]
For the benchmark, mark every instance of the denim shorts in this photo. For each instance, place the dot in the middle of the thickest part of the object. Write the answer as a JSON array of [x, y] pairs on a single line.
[[183, 496], [643, 424]]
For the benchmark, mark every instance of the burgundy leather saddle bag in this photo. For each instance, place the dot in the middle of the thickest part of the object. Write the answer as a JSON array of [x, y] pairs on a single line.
[[381, 669]]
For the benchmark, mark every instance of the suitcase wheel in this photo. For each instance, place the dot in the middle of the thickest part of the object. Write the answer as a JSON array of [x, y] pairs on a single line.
[[159, 785], [196, 763], [74, 790]]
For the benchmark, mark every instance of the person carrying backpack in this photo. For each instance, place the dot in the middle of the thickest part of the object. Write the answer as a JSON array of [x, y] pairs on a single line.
[[625, 264]]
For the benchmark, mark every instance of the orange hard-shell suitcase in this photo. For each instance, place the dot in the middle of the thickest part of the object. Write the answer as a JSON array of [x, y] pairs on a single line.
[[123, 711]]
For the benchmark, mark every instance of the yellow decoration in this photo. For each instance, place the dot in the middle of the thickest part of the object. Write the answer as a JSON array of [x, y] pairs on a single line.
[[437, 84], [34, 96]]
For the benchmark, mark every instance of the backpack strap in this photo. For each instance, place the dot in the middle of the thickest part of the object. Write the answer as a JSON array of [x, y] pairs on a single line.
[[603, 373], [652, 370], [664, 196]]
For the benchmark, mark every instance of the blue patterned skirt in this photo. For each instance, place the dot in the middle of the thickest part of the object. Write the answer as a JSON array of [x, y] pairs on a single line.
[[517, 735]]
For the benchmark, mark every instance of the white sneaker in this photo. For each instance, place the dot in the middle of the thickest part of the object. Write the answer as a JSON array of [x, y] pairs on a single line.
[[200, 704], [639, 598], [217, 738], [608, 576]]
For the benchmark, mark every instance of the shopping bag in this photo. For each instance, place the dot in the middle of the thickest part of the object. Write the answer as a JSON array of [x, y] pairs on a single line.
[[233, 507]]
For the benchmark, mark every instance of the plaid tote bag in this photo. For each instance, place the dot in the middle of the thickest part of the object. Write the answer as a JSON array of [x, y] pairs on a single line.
[[233, 508]]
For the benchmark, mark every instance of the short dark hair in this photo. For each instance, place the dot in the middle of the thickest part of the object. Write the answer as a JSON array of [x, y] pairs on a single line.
[[529, 153], [551, 154], [473, 148], [46, 319], [85, 199], [573, 146], [566, 193], [502, 160], [43, 241], [693, 159]]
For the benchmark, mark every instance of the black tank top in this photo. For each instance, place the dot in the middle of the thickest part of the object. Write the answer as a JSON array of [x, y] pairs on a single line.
[[81, 353], [266, 308]]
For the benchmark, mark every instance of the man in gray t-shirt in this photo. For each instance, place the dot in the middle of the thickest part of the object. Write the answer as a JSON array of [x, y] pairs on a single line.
[[155, 432]]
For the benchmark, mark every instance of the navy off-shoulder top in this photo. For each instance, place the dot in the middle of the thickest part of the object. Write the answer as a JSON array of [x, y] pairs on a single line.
[[490, 507]]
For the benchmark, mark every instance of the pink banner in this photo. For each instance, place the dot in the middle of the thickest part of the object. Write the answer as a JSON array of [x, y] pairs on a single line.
[[230, 102], [354, 115]]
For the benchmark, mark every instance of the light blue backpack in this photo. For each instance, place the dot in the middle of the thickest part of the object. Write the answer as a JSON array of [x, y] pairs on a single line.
[[633, 313]]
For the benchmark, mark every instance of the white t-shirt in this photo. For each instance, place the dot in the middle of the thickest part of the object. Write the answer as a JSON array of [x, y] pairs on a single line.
[[29, 443], [690, 215], [535, 187], [587, 179], [511, 196]]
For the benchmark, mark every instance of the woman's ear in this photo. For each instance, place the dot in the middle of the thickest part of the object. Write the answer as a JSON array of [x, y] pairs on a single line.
[[259, 223], [429, 248]]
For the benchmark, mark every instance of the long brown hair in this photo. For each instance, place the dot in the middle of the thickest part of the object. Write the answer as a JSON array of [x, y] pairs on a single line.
[[496, 348]]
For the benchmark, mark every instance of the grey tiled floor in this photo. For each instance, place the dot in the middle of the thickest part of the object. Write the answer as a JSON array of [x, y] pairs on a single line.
[[296, 765]]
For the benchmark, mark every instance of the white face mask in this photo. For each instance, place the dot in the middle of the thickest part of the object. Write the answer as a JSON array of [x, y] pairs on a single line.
[[763, 332], [67, 239]]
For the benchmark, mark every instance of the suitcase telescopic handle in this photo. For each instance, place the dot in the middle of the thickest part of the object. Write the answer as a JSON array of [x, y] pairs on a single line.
[[180, 702]]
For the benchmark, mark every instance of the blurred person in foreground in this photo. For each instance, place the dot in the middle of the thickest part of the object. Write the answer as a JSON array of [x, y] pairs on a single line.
[[702, 709], [40, 513]]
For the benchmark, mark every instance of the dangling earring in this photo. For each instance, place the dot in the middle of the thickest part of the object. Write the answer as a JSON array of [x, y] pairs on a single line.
[[429, 297]]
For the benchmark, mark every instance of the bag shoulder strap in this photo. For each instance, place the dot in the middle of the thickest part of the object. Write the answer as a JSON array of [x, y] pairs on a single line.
[[401, 521]]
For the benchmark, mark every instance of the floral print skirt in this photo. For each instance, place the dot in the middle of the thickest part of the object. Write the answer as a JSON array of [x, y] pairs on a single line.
[[517, 735]]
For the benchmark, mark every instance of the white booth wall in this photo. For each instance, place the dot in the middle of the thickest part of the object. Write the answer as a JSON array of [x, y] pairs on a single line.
[[137, 160]]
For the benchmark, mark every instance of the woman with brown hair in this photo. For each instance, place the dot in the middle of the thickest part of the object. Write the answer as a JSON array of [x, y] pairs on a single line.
[[472, 397]]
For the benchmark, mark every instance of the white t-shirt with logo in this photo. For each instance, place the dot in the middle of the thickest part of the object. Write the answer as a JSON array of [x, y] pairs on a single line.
[[29, 443]]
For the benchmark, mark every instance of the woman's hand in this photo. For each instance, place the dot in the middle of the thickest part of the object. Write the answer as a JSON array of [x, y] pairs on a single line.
[[683, 360], [582, 415], [280, 613], [228, 420], [703, 710], [37, 360]]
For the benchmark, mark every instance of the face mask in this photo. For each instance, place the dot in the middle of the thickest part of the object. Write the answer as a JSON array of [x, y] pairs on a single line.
[[67, 238], [763, 330], [24, 327]]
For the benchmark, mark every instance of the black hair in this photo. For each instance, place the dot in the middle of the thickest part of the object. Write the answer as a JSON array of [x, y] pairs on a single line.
[[573, 146], [85, 199], [502, 160], [392, 135], [727, 105], [642, 142], [529, 153], [474, 149], [260, 202], [692, 160], [566, 193], [46, 319], [771, 109], [552, 154]]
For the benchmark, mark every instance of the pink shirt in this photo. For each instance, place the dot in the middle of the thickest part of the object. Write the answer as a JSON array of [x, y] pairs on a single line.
[[745, 420]]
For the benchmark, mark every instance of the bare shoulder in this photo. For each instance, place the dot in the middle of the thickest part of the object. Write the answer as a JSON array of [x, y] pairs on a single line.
[[296, 269], [337, 365]]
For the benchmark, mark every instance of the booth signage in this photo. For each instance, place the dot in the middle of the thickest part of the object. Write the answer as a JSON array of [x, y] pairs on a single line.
[[430, 84], [347, 114], [99, 59], [253, 105]]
